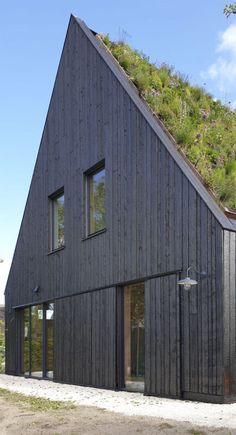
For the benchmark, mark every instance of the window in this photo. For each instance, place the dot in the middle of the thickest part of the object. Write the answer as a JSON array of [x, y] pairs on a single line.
[[57, 220], [95, 199], [37, 337], [134, 337]]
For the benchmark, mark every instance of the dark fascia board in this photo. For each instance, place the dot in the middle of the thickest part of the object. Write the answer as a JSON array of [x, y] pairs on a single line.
[[233, 222], [156, 126]]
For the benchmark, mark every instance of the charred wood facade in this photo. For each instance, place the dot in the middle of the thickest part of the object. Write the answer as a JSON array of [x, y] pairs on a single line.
[[159, 220]]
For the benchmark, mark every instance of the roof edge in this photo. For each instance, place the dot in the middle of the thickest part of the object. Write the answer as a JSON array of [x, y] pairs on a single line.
[[230, 214], [160, 130]]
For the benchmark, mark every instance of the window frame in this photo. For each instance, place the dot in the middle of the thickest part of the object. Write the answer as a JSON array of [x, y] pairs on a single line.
[[52, 201], [26, 353], [98, 167]]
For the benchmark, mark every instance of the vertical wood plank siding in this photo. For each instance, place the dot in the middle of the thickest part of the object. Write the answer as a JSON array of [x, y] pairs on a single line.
[[162, 337], [202, 306], [156, 223], [229, 313], [85, 341]]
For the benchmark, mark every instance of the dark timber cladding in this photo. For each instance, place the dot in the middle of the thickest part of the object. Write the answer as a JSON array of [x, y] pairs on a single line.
[[229, 313], [159, 220], [85, 354], [162, 341]]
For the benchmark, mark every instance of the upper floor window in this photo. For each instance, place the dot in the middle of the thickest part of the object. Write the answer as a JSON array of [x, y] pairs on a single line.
[[57, 220], [95, 198]]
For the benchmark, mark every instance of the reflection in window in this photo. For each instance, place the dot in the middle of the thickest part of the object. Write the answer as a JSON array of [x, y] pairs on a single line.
[[36, 340], [26, 342], [49, 329], [96, 200], [37, 335], [134, 336], [57, 221]]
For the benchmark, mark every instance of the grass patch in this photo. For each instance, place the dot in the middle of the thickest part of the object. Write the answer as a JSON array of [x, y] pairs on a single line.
[[2, 347], [165, 425], [35, 403], [196, 432], [204, 128]]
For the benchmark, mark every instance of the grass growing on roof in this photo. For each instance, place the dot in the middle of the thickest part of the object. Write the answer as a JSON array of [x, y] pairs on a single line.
[[204, 129]]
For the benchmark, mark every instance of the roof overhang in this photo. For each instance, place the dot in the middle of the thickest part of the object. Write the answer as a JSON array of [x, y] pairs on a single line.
[[223, 219]]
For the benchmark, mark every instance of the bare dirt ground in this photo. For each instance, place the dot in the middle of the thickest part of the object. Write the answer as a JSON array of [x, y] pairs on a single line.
[[16, 418]]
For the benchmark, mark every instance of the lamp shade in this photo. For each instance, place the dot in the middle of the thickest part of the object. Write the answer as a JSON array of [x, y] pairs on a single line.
[[187, 282]]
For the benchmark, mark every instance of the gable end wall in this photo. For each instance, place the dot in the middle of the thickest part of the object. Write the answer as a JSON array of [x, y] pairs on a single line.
[[157, 223]]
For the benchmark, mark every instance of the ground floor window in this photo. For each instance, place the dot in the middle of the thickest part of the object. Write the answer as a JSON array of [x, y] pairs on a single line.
[[134, 337], [38, 340]]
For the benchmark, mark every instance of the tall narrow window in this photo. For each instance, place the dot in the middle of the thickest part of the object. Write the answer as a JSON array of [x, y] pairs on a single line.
[[26, 342], [96, 190], [49, 339], [134, 337], [36, 340], [37, 334], [57, 221]]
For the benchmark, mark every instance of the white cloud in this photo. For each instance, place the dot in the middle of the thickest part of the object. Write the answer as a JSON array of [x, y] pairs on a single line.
[[228, 40], [223, 70], [4, 271]]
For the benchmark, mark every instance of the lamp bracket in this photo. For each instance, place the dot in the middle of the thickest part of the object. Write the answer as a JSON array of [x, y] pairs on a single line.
[[202, 273]]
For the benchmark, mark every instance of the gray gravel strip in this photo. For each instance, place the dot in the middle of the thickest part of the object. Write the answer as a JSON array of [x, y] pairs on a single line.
[[202, 414]]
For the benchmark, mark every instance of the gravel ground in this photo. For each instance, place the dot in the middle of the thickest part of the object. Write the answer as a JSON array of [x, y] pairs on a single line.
[[129, 404]]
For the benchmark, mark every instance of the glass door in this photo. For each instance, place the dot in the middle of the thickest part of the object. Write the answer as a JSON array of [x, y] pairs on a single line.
[[134, 337], [49, 340], [26, 342], [38, 341]]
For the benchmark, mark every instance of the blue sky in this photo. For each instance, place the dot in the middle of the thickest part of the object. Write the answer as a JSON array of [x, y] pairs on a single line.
[[194, 37]]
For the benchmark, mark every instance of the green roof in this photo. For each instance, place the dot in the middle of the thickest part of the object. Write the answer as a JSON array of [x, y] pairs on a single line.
[[204, 129]]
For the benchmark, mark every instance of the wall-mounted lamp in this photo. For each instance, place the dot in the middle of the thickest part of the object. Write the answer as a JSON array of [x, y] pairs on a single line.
[[35, 289], [188, 282]]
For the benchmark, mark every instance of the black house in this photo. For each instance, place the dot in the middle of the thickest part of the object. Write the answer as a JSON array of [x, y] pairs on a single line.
[[114, 218]]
